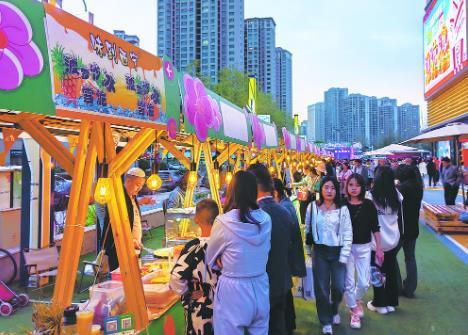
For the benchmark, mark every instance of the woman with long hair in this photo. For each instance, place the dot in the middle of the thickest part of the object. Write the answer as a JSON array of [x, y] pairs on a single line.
[[365, 225], [343, 177], [306, 189], [239, 244], [412, 190], [388, 202], [329, 229]]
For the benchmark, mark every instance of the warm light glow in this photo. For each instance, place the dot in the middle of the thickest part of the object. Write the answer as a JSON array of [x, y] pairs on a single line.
[[193, 178], [216, 178], [228, 177], [102, 193], [272, 170], [154, 182]]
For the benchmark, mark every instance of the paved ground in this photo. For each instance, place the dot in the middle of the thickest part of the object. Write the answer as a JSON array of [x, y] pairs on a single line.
[[439, 307]]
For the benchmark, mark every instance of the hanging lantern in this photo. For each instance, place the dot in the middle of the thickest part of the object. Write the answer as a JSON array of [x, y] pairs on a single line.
[[228, 177], [272, 170], [154, 182], [102, 193], [193, 176]]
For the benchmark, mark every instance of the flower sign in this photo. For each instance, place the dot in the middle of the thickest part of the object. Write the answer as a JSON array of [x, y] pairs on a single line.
[[19, 56], [286, 138], [200, 109], [258, 132]]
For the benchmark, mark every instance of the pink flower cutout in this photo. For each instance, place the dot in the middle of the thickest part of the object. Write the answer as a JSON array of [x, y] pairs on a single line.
[[172, 128], [257, 132], [19, 55], [201, 110], [286, 138]]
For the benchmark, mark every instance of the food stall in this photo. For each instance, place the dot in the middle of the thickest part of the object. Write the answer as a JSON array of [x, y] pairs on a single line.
[[78, 80]]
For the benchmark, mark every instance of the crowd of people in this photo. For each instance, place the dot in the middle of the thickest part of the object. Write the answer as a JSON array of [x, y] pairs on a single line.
[[237, 277]]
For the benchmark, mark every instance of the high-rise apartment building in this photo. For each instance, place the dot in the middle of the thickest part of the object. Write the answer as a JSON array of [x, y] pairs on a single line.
[[134, 39], [355, 119], [334, 99], [284, 81], [208, 34], [303, 129], [260, 53], [408, 121], [374, 122], [316, 122]]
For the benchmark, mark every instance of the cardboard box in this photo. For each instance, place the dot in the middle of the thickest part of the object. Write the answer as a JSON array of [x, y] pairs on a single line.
[[10, 223]]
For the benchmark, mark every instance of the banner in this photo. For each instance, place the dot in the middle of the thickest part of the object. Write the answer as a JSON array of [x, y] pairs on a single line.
[[98, 74]]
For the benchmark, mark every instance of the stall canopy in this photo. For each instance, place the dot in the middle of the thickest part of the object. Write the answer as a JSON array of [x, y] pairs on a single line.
[[449, 132], [390, 150]]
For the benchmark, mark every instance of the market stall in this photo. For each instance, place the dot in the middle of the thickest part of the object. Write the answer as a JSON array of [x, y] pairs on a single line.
[[79, 81]]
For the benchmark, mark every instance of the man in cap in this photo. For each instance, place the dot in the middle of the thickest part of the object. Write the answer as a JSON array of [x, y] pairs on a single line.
[[134, 181]]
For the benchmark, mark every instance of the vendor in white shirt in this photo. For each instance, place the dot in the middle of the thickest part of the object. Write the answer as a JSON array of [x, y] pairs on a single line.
[[134, 180]]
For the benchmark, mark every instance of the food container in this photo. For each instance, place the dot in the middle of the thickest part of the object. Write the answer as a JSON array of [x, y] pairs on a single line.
[[106, 291]]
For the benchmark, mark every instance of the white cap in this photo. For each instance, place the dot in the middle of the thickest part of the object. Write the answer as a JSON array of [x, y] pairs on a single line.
[[137, 172]]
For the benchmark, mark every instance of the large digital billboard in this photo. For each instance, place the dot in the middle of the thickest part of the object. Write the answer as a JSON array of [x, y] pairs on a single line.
[[445, 45]]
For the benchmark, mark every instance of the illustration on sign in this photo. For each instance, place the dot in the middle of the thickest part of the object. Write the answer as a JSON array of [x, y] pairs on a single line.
[[19, 55], [94, 71]]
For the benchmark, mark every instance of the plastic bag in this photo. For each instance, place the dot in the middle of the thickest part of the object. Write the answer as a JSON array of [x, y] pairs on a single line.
[[304, 287]]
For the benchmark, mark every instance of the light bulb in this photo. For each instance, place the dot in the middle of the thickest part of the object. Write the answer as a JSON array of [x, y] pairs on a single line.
[[272, 170], [102, 193], [228, 177], [154, 182], [193, 178]]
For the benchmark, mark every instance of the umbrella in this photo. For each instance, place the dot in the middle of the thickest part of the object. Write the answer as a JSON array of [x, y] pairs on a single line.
[[448, 132], [390, 150]]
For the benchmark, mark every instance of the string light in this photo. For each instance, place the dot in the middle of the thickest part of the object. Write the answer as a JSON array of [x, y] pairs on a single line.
[[102, 193], [154, 182]]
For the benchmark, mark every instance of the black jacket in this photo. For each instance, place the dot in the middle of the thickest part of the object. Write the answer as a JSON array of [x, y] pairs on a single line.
[[109, 244], [278, 258], [412, 198]]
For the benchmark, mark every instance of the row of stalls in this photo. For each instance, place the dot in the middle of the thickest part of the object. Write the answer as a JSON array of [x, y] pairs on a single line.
[[70, 82]]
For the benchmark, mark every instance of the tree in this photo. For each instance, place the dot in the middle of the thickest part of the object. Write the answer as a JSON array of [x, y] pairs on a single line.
[[233, 86]]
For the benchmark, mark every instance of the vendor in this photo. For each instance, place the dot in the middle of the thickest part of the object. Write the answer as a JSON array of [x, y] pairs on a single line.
[[134, 181], [177, 195]]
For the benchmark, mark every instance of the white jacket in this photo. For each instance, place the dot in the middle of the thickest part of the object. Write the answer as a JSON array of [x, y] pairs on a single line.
[[243, 247], [333, 229]]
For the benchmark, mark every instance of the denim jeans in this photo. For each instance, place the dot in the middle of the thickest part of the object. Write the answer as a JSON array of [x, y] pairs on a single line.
[[329, 281]]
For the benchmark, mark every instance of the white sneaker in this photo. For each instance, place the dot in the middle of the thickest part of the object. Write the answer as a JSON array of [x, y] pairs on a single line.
[[327, 330], [391, 309], [380, 310], [355, 322], [336, 319]]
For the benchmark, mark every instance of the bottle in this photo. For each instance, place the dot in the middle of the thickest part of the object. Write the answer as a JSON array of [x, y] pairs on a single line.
[[69, 321]]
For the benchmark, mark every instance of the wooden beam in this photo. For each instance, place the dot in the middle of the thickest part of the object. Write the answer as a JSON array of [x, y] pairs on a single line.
[[197, 149], [135, 148], [170, 147], [128, 260], [83, 176], [49, 143], [210, 173], [223, 156]]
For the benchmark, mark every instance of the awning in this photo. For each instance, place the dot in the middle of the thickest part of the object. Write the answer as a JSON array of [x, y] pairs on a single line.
[[448, 132]]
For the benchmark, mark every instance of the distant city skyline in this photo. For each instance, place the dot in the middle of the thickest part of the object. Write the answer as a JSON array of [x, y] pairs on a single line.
[[371, 47], [345, 117]]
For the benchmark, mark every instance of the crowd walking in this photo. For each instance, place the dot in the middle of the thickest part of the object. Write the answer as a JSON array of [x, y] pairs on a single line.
[[237, 278]]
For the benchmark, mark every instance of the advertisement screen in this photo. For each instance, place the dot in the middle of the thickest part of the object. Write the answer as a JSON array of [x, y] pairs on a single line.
[[445, 45], [443, 149]]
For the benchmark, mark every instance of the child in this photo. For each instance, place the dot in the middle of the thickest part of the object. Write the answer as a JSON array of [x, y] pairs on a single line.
[[194, 281], [365, 223]]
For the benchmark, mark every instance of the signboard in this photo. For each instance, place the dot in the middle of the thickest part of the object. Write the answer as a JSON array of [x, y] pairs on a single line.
[[96, 73], [445, 44], [25, 84], [265, 118]]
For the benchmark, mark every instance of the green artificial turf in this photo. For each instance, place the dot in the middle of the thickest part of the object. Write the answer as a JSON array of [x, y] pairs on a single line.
[[439, 308]]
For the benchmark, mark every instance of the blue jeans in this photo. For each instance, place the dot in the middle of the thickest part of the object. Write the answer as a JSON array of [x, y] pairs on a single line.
[[329, 281]]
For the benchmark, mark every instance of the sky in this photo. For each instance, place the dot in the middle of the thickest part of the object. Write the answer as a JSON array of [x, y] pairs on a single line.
[[372, 47]]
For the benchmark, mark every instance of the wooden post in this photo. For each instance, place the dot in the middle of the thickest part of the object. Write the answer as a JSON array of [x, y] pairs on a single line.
[[83, 175], [196, 151], [211, 178]]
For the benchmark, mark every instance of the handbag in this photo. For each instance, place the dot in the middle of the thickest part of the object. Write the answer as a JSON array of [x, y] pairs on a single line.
[[304, 287], [303, 195]]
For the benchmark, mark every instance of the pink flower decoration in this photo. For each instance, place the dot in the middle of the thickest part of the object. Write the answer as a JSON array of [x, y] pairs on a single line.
[[172, 128], [286, 138], [200, 109], [257, 132], [19, 55]]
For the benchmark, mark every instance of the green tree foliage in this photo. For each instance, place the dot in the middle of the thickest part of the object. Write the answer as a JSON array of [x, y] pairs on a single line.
[[233, 86]]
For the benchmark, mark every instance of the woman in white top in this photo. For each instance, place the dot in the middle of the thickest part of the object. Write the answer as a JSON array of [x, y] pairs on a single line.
[[388, 202], [329, 229], [239, 244]]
